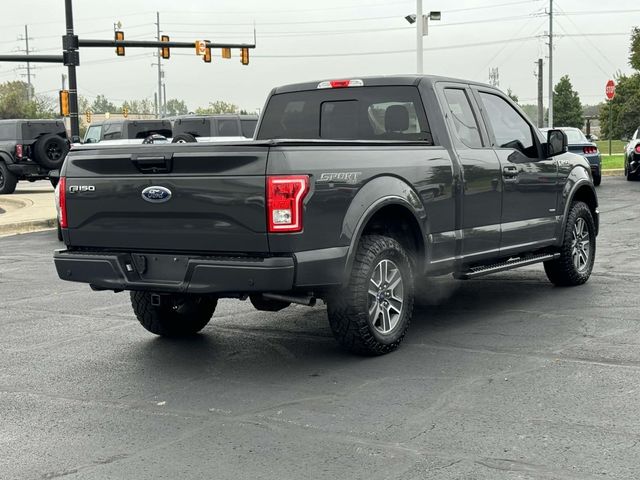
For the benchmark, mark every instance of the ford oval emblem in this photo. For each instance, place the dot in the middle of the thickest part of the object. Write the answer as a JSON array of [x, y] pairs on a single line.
[[156, 194]]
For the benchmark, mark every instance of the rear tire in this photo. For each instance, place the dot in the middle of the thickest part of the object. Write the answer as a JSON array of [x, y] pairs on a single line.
[[8, 180], [178, 315], [578, 251], [597, 180], [50, 151], [184, 138], [371, 314]]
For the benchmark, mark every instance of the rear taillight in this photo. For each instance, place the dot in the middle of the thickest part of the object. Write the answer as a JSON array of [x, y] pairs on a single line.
[[590, 149], [19, 152], [62, 201], [285, 197], [637, 148]]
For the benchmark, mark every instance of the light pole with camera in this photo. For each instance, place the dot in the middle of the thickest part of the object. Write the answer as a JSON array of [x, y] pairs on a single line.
[[422, 24]]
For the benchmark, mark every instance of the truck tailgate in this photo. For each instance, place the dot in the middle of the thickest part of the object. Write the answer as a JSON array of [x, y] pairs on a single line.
[[209, 199]]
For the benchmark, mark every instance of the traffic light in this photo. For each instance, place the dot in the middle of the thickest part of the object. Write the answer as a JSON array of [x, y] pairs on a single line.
[[119, 36], [88, 115], [206, 56], [125, 112], [244, 56], [64, 103], [226, 53], [164, 51]]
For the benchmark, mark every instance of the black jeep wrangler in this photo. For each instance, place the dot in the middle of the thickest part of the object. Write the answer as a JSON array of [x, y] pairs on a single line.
[[29, 150]]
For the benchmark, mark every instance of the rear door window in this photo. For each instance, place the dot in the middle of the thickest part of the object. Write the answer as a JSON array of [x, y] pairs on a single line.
[[248, 127], [228, 128], [112, 131], [8, 131], [357, 113], [466, 125]]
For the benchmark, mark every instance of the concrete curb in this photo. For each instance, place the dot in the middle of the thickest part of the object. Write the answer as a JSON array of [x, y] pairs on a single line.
[[27, 227], [612, 172]]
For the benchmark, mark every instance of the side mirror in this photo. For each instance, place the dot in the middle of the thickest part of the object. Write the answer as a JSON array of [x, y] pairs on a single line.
[[556, 142]]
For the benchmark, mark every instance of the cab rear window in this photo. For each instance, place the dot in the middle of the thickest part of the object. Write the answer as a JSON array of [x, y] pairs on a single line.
[[358, 113]]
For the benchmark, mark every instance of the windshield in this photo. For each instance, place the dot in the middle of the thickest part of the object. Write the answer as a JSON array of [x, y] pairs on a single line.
[[93, 134]]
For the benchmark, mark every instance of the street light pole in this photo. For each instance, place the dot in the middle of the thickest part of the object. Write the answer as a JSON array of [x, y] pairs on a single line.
[[419, 39]]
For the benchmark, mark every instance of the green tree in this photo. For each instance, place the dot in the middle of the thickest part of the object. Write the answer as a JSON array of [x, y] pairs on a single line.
[[634, 56], [567, 109], [139, 107], [102, 105], [531, 111], [218, 107], [176, 107], [15, 103], [625, 108]]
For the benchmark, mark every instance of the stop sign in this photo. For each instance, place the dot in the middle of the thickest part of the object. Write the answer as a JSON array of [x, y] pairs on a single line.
[[610, 89]]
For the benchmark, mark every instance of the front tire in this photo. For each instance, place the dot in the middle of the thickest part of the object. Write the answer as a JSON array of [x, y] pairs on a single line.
[[371, 314], [177, 315], [578, 251]]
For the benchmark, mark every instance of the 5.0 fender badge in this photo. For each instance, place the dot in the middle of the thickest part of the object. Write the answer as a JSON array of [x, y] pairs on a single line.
[[156, 194]]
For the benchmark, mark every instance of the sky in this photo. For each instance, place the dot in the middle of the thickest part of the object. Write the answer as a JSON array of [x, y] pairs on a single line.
[[301, 41]]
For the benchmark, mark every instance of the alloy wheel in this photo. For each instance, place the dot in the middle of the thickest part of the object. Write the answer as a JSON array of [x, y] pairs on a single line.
[[580, 245], [386, 296]]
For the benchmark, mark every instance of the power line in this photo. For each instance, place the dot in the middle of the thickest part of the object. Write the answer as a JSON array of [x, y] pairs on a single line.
[[383, 52]]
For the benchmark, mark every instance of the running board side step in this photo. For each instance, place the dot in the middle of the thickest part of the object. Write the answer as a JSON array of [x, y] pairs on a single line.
[[478, 271]]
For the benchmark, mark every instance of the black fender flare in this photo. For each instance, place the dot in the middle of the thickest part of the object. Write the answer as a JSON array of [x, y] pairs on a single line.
[[378, 193], [577, 179], [6, 158]]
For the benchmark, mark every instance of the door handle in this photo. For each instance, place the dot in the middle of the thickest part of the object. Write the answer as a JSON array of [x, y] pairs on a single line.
[[510, 171]]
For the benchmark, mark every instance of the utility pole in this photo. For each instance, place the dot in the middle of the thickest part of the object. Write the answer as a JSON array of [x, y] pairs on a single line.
[[420, 33], [550, 124], [494, 77], [164, 98], [159, 101], [540, 95], [27, 51]]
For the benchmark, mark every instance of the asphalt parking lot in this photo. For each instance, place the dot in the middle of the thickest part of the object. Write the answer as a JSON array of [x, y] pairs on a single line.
[[502, 377]]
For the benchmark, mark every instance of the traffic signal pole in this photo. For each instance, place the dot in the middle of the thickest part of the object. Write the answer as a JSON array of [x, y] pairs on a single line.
[[71, 44], [70, 58]]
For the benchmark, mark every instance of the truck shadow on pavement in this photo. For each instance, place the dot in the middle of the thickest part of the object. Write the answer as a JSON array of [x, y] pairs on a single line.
[[299, 339]]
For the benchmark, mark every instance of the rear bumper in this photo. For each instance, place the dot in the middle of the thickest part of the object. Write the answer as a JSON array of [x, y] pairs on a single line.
[[306, 270], [169, 273], [27, 170]]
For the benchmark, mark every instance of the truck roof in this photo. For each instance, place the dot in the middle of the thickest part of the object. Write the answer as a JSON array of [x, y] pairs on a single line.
[[31, 121], [378, 81]]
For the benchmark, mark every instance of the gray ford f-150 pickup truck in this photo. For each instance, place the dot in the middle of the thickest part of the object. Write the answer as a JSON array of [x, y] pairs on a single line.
[[352, 192]]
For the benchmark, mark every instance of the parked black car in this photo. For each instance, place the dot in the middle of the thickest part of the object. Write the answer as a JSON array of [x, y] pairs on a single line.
[[29, 150], [578, 143], [632, 156], [351, 193], [194, 128]]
